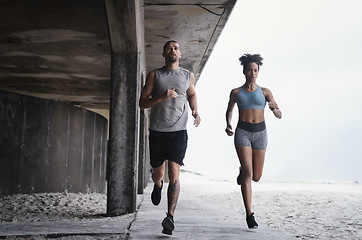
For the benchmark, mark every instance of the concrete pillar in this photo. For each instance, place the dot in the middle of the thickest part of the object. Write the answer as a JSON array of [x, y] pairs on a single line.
[[125, 23], [123, 139], [141, 163], [144, 163]]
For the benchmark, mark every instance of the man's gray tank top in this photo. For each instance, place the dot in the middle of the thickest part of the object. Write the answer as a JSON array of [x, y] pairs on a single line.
[[170, 115]]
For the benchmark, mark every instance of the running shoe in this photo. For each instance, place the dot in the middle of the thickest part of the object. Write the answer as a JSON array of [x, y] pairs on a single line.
[[250, 220], [168, 224], [156, 194]]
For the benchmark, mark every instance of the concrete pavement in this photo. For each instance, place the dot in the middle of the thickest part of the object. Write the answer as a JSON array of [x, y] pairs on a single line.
[[193, 220]]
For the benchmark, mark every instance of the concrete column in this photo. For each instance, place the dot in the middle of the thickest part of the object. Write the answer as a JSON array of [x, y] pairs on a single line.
[[125, 23], [123, 138], [144, 163], [141, 163]]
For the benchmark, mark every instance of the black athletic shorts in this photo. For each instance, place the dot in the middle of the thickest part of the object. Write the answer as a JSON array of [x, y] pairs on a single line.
[[167, 146]]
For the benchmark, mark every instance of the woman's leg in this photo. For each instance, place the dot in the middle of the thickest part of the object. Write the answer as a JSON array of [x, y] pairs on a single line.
[[258, 164], [245, 155], [252, 162]]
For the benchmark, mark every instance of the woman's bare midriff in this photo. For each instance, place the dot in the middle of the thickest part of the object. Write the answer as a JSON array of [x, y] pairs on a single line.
[[251, 115]]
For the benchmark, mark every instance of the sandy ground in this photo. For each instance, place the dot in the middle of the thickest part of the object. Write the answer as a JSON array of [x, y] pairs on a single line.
[[303, 210], [300, 209]]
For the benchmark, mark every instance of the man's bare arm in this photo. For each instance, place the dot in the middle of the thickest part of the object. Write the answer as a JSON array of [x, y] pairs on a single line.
[[192, 99]]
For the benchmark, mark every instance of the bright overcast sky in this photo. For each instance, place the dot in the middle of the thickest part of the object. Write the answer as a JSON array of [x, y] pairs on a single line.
[[312, 53]]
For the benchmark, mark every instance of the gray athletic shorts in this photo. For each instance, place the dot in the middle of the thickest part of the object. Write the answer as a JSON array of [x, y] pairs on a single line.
[[256, 140]]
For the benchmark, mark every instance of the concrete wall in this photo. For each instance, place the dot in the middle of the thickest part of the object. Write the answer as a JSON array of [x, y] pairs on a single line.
[[49, 146]]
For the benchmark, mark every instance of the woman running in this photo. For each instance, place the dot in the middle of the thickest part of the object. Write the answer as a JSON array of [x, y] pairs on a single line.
[[251, 135]]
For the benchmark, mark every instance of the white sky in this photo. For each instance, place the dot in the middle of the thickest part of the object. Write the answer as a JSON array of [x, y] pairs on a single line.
[[312, 52]]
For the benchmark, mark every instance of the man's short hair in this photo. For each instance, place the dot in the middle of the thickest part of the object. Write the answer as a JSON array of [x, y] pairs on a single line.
[[166, 44]]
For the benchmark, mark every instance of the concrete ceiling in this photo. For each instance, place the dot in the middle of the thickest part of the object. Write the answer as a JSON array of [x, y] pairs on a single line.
[[60, 49]]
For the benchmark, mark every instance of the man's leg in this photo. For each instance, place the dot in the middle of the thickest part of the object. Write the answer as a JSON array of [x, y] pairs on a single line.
[[157, 174], [173, 190], [177, 145], [157, 177]]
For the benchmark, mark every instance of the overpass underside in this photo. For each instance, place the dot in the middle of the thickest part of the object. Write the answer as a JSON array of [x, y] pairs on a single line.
[[91, 54]]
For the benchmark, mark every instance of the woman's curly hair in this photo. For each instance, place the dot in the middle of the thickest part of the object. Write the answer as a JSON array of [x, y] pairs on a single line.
[[248, 58]]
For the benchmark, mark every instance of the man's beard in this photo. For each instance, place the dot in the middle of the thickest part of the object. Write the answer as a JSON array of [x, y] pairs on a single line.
[[172, 59]]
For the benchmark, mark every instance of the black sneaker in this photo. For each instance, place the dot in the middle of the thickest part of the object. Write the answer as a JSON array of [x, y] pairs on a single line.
[[239, 178], [250, 220], [156, 194], [168, 225]]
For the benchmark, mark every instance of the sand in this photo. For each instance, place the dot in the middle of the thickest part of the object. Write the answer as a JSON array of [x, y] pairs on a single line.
[[304, 210], [52, 207]]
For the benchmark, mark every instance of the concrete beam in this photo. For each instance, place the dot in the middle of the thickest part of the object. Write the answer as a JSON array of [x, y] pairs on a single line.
[[121, 16]]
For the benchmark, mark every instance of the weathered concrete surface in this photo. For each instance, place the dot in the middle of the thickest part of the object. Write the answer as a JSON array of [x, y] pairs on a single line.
[[57, 50], [193, 220], [123, 140], [49, 146], [60, 49], [87, 227], [100, 228], [124, 111]]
